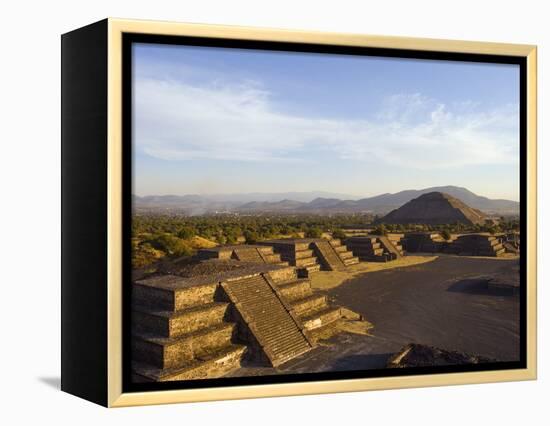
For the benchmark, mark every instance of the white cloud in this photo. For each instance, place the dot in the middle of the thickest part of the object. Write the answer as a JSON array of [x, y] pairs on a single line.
[[179, 121]]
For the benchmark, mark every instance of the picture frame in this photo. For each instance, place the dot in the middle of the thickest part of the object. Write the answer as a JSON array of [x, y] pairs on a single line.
[[97, 182]]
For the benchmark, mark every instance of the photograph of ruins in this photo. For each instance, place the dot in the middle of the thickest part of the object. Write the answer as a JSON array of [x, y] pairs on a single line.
[[298, 213]]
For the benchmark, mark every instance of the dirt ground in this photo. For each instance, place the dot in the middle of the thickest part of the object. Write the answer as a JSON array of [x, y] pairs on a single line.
[[329, 280]]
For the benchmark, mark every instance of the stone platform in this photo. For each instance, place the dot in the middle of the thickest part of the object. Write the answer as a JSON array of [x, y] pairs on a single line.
[[196, 326], [313, 254], [376, 248]]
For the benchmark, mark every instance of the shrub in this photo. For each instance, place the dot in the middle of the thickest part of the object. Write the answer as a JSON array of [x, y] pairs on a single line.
[[313, 233], [186, 232], [171, 245], [251, 237], [380, 230]]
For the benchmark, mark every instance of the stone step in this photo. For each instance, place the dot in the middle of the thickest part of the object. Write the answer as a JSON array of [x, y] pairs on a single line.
[[303, 254], [306, 271], [320, 317], [265, 250], [173, 324], [340, 249], [305, 261], [345, 254], [210, 365], [173, 352], [351, 261], [328, 258], [248, 255], [335, 242], [310, 302], [272, 258], [295, 289], [500, 252], [172, 293], [277, 332], [284, 274]]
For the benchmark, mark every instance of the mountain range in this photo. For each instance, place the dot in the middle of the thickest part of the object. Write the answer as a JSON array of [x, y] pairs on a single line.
[[314, 202]]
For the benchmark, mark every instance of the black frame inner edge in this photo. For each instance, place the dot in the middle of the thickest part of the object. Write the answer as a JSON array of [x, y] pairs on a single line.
[[129, 38]]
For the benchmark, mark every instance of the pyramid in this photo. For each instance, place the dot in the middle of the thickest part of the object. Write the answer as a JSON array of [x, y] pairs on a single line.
[[434, 208]]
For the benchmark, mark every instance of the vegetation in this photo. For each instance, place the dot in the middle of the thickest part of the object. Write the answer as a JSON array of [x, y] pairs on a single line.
[[155, 237]]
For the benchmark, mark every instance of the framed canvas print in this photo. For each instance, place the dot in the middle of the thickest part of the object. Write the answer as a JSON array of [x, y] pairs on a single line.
[[254, 212]]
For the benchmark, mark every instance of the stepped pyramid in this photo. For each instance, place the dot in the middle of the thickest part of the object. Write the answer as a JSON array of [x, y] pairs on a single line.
[[313, 254], [221, 312], [477, 245], [434, 208], [376, 248]]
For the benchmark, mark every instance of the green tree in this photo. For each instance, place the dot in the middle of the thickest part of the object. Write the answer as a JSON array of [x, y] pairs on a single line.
[[251, 236], [313, 232], [186, 232]]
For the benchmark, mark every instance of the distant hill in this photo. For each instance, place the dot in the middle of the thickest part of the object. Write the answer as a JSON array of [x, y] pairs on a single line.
[[314, 202], [434, 208], [387, 202]]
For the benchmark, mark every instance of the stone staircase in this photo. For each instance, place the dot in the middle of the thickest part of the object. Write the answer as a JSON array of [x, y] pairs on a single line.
[[296, 252], [278, 333], [370, 248], [396, 252], [313, 254], [343, 252], [398, 241], [477, 245], [180, 331], [312, 309], [328, 257]]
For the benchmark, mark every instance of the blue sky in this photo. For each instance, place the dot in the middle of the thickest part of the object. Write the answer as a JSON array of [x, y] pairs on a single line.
[[214, 120]]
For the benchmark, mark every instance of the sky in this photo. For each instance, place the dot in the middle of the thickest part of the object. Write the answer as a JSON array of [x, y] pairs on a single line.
[[218, 120]]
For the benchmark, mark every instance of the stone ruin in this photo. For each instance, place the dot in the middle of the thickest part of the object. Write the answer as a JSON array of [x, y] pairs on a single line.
[[377, 248], [313, 254], [232, 305], [475, 244]]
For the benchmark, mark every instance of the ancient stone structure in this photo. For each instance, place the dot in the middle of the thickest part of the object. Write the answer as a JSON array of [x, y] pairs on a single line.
[[221, 312], [376, 248], [425, 242], [477, 245], [243, 253], [313, 254], [434, 208]]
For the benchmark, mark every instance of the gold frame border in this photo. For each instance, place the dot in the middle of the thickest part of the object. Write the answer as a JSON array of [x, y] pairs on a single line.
[[116, 27]]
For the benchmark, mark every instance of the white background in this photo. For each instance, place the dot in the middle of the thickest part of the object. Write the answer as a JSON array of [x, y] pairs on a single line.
[[30, 210]]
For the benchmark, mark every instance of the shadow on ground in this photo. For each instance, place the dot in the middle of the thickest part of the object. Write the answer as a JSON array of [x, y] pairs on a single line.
[[477, 286]]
